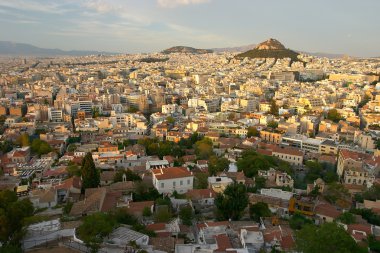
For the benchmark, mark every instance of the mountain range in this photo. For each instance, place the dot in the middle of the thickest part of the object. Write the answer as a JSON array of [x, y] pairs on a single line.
[[22, 49], [8, 48]]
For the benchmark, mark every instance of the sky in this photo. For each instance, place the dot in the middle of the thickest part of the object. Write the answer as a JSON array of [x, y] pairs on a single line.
[[133, 26]]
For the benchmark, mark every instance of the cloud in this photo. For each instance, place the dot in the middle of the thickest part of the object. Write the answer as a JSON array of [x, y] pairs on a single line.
[[175, 3]]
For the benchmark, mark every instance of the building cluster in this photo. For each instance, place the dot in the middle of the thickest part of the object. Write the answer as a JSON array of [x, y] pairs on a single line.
[[321, 110]]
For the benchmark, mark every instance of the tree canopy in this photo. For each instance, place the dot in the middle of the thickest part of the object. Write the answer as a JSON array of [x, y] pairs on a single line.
[[203, 149], [258, 210], [217, 164], [251, 162], [94, 228], [253, 132], [334, 115], [13, 213], [232, 202], [329, 237]]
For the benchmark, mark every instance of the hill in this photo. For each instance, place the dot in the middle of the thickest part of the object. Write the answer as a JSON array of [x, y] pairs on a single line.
[[187, 50], [23, 49], [270, 49]]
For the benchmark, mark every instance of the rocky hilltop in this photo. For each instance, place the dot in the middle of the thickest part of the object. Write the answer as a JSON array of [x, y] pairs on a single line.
[[271, 48]]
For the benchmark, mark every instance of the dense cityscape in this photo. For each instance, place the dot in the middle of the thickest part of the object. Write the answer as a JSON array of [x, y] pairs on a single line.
[[190, 151], [189, 126]]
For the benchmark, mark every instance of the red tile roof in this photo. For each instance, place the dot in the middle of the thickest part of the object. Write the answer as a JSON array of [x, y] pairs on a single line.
[[170, 173]]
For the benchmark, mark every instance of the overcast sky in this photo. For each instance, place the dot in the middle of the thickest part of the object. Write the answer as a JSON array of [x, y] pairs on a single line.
[[131, 26]]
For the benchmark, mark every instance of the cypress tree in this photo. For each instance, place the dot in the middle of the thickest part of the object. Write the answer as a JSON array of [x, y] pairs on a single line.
[[90, 175]]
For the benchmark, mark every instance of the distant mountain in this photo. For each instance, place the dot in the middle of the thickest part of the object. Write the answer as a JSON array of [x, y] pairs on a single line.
[[188, 50], [22, 49], [271, 48], [234, 49]]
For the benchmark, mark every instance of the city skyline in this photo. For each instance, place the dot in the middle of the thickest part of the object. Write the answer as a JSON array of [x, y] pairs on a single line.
[[341, 27]]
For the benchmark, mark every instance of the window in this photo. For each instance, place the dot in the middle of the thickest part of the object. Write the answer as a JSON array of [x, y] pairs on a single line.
[[162, 185], [188, 181], [181, 182], [173, 183]]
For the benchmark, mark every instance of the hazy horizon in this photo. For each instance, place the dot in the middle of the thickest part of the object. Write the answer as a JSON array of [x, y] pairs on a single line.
[[129, 26]]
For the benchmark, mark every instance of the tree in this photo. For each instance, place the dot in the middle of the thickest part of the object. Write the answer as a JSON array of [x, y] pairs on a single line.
[[162, 215], [73, 170], [6, 146], [170, 120], [94, 228], [13, 213], [216, 164], [232, 202], [260, 209], [40, 147], [200, 181], [273, 107], [298, 221], [253, 132], [272, 124], [373, 244], [368, 215], [334, 115], [330, 237], [347, 218], [186, 215], [129, 175], [90, 175], [203, 149], [251, 162], [71, 148]]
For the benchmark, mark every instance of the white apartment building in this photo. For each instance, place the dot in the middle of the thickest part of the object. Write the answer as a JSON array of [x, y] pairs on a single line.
[[55, 115], [168, 180]]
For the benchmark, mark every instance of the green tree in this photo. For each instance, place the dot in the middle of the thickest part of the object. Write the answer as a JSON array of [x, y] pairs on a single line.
[[272, 124], [94, 228], [232, 202], [13, 213], [260, 209], [334, 115], [186, 215], [71, 148], [170, 120], [373, 244], [298, 221], [162, 215], [330, 237], [90, 175], [203, 149], [6, 146], [129, 175], [10, 249], [40, 147], [73, 170], [347, 218], [216, 164], [251, 162], [253, 132], [200, 181]]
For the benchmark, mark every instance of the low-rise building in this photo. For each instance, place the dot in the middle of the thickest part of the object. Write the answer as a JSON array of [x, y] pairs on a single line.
[[168, 180]]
